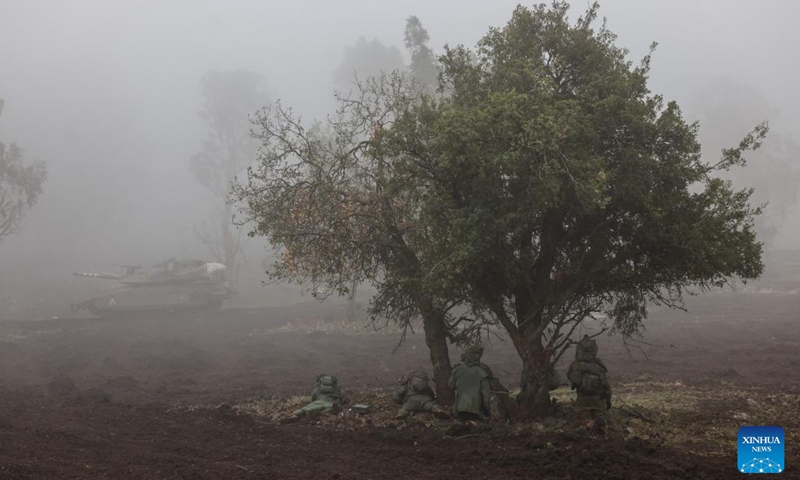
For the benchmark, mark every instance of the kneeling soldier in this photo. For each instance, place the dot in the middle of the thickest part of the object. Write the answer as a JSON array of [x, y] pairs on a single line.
[[415, 395]]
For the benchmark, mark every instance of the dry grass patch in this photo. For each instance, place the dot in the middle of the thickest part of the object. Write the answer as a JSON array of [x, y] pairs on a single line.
[[327, 325], [702, 420], [12, 334]]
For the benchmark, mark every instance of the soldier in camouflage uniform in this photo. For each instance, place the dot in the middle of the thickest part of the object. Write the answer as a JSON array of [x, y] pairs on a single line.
[[588, 377], [326, 396], [472, 382], [415, 395]]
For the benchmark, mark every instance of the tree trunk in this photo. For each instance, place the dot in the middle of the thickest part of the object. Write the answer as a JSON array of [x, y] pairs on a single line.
[[436, 340], [351, 302], [228, 246], [433, 323], [535, 365]]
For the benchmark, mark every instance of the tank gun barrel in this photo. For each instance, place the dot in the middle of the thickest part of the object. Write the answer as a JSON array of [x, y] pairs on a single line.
[[106, 276]]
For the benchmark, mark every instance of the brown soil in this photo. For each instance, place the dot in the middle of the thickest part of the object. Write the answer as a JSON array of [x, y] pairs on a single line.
[[169, 398]]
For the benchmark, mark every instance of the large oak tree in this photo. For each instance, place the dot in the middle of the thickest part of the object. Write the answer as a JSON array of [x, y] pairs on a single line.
[[545, 185], [568, 188]]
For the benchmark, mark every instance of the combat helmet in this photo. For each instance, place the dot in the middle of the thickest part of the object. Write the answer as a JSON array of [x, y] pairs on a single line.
[[472, 353]]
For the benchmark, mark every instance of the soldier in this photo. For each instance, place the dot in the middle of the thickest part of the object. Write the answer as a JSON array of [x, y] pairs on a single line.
[[415, 395], [325, 398], [472, 382], [588, 376]]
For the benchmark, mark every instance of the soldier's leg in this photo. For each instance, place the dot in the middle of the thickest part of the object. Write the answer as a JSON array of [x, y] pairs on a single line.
[[315, 407], [583, 408], [411, 406], [432, 407], [473, 422], [599, 412], [462, 423], [602, 419]]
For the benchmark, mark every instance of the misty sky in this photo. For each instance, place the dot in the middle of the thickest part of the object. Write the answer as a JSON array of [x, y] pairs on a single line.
[[107, 92]]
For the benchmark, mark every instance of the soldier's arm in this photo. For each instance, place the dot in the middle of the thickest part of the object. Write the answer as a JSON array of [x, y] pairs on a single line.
[[399, 395]]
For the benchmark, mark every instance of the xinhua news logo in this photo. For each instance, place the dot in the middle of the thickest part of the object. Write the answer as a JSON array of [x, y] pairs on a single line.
[[761, 450]]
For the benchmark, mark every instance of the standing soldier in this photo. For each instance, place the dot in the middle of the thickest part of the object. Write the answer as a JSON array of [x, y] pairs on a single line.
[[588, 377], [472, 381]]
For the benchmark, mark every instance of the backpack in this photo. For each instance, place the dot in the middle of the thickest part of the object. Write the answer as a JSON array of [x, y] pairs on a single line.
[[591, 384], [327, 384], [418, 382]]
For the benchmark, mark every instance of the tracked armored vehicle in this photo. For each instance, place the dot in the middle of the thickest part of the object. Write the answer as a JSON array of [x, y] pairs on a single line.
[[172, 287]]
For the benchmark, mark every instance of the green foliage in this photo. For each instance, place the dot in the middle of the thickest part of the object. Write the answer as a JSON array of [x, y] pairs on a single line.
[[20, 185], [570, 188], [726, 109], [547, 184], [423, 65]]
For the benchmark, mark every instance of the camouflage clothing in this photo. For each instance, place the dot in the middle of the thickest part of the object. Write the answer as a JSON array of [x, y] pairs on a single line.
[[325, 397], [415, 395], [471, 381], [588, 377]]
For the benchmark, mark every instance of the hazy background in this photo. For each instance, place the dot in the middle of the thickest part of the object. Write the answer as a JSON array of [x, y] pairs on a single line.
[[107, 93]]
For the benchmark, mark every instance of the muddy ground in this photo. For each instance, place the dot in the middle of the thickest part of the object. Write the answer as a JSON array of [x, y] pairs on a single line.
[[194, 398]]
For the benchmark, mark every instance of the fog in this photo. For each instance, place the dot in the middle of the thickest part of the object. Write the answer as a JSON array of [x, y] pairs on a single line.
[[108, 94]]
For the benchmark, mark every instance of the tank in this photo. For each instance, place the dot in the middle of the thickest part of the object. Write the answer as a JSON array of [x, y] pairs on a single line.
[[172, 287]]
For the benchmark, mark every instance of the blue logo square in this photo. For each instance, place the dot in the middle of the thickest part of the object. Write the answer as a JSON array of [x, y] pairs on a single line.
[[761, 450]]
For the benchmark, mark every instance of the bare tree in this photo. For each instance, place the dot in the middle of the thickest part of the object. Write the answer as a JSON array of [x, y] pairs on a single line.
[[20, 186], [229, 98]]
